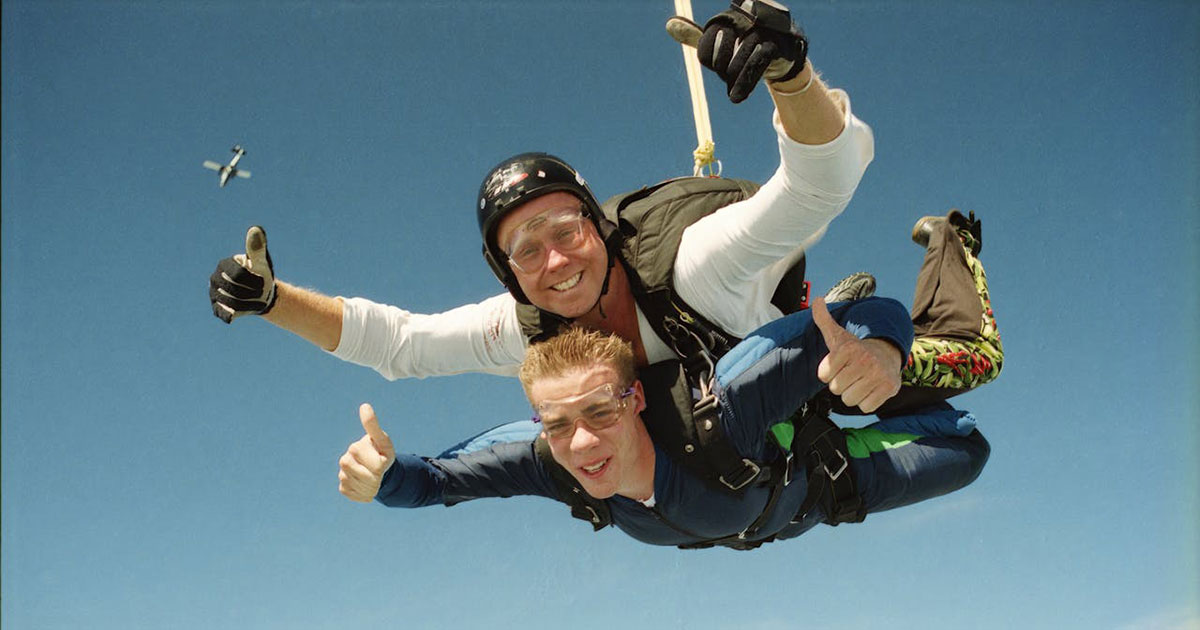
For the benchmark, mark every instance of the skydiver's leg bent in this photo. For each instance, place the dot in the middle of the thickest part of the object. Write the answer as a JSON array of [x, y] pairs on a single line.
[[947, 302], [519, 431], [906, 459], [957, 346], [773, 371]]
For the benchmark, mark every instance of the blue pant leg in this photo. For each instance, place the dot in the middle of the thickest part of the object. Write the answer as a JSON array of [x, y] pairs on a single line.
[[773, 371], [519, 431], [906, 459]]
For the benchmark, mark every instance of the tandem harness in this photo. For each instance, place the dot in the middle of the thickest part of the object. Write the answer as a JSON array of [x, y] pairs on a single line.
[[689, 432], [682, 411]]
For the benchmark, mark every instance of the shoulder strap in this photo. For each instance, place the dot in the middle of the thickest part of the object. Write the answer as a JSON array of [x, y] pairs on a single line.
[[689, 431], [652, 221], [583, 505]]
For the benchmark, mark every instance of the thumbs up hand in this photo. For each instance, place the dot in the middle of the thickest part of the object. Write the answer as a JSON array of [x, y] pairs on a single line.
[[244, 284], [865, 373], [363, 464]]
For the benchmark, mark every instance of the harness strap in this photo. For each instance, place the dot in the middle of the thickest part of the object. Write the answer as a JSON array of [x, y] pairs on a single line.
[[734, 471], [583, 506], [831, 482], [830, 479], [740, 540]]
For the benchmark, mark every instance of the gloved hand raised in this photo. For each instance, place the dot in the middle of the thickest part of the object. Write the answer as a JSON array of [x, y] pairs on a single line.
[[244, 284], [362, 466], [754, 39]]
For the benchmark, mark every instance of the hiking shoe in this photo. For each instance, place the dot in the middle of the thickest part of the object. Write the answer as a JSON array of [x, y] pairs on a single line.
[[969, 229], [855, 286]]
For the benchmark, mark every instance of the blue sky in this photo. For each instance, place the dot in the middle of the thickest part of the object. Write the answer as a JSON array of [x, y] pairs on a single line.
[[161, 469]]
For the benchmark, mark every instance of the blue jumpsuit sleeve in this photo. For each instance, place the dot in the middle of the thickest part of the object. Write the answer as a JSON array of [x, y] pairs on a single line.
[[412, 481], [503, 470]]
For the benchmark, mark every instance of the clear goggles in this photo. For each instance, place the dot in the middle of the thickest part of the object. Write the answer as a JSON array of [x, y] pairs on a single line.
[[598, 409], [558, 228]]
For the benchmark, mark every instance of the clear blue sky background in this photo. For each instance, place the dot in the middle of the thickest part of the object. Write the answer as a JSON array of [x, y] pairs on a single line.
[[164, 470]]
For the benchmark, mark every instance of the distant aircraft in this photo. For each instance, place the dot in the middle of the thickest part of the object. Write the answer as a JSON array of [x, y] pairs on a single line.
[[229, 170]]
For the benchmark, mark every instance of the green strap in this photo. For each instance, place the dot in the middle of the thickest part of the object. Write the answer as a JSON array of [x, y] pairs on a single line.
[[860, 443], [783, 433]]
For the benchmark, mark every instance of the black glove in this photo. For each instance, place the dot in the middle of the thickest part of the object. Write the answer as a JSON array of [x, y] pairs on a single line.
[[244, 284], [754, 39]]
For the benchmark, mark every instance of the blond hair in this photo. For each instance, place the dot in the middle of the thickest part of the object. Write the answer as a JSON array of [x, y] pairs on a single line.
[[577, 349]]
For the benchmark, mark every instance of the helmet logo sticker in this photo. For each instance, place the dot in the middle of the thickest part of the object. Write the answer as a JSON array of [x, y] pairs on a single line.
[[503, 179]]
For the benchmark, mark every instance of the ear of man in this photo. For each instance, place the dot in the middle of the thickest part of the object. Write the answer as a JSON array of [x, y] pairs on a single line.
[[639, 397]]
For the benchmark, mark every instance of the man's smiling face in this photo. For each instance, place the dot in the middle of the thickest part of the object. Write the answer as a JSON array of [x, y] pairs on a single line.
[[569, 280], [606, 461]]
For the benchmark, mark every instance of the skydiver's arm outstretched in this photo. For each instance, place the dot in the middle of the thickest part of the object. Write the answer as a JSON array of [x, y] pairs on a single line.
[[311, 315], [482, 337], [245, 284]]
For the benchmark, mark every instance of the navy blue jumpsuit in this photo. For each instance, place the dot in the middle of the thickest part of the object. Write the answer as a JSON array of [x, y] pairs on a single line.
[[896, 461]]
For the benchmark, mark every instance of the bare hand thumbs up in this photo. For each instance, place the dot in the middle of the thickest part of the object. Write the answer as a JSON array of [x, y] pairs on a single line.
[[362, 466], [835, 336], [864, 372], [379, 439]]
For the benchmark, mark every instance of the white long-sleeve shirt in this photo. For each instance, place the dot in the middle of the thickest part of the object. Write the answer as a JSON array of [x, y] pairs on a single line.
[[728, 267]]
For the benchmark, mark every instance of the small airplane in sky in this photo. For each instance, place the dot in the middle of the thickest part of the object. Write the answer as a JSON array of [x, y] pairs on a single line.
[[229, 170]]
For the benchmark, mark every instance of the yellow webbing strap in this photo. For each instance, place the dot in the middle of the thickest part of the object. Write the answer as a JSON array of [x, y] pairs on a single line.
[[705, 153]]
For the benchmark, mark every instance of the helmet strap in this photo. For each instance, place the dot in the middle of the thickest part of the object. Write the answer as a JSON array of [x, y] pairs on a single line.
[[506, 276], [611, 235], [604, 288]]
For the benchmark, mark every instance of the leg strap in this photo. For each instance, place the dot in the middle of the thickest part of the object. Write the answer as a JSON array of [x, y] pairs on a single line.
[[831, 483]]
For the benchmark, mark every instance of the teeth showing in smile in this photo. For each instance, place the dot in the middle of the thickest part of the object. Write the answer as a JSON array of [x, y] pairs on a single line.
[[569, 282], [595, 467]]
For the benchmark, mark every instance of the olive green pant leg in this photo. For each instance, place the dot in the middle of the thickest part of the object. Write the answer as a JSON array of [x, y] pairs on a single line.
[[957, 346]]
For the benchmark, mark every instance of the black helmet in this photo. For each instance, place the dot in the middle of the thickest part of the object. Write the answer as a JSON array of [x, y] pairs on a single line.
[[515, 181]]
